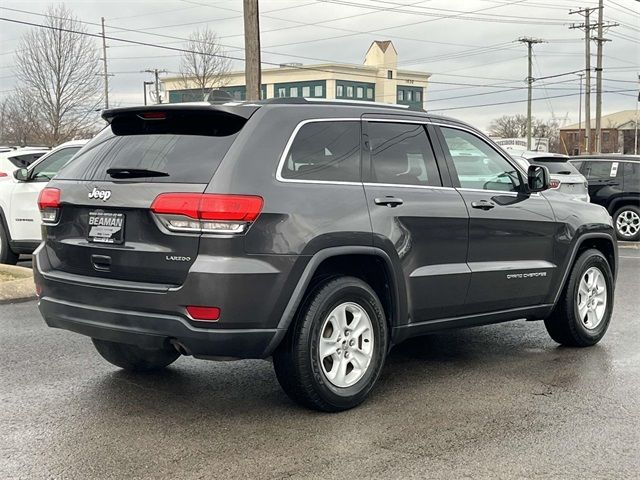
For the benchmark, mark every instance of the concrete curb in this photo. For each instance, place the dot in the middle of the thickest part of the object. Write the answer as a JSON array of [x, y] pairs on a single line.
[[21, 289]]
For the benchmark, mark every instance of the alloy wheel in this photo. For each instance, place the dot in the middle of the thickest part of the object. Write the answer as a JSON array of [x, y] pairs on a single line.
[[592, 298], [346, 344]]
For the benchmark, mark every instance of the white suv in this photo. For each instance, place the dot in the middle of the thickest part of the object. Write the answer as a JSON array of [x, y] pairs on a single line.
[[19, 215]]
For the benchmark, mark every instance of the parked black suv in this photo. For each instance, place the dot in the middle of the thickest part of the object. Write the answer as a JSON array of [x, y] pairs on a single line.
[[614, 183], [318, 233]]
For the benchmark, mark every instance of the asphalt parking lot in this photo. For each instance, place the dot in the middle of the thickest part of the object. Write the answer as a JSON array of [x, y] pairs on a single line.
[[501, 401]]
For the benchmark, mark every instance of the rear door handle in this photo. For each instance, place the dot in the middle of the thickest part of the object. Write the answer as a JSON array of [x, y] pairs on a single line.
[[483, 205], [388, 201]]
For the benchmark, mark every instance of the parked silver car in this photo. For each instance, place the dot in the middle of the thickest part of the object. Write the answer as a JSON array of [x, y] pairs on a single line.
[[564, 177]]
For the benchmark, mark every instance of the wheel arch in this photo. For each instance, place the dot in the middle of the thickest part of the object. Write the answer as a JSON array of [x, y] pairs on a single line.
[[620, 202], [363, 262], [602, 242]]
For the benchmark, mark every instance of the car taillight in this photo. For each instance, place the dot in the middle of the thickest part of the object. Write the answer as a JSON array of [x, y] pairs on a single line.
[[554, 183], [3, 174], [206, 212], [49, 204]]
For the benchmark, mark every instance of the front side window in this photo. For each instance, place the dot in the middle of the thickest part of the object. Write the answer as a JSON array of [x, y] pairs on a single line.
[[478, 165], [401, 154], [327, 151], [47, 168]]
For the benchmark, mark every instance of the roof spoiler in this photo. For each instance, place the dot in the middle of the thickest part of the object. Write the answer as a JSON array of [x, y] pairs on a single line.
[[241, 110]]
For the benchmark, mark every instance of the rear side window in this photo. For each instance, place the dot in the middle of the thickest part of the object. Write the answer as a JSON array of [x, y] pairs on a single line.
[[597, 170], [24, 160], [401, 154], [184, 148], [328, 151], [47, 168]]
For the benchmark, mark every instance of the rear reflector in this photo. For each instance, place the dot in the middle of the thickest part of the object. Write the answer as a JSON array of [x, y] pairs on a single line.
[[554, 183], [207, 213], [210, 314]]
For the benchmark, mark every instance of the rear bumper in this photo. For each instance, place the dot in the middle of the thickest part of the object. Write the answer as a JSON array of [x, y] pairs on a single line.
[[154, 315], [155, 331]]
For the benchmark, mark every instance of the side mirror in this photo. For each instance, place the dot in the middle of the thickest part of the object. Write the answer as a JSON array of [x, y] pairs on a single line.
[[537, 178], [22, 174]]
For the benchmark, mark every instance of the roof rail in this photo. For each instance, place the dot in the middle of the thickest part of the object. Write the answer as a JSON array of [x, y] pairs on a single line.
[[331, 101]]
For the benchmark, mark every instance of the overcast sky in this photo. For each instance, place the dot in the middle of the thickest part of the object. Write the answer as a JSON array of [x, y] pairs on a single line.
[[473, 57]]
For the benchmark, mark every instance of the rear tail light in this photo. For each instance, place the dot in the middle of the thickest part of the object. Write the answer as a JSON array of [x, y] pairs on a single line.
[[554, 183], [3, 174], [49, 204], [206, 213]]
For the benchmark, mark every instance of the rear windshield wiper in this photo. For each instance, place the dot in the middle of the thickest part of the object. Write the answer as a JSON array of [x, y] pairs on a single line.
[[123, 172]]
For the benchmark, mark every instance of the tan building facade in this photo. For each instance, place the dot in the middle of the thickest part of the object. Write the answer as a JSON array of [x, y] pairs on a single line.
[[618, 134], [377, 79]]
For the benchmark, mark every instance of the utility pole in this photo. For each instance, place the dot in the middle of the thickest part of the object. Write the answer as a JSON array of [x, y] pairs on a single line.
[[252, 49], [530, 42], [586, 26], [580, 114], [156, 72], [600, 42], [105, 72]]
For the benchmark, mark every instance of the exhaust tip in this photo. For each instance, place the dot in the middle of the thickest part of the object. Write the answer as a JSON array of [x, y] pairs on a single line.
[[182, 350]]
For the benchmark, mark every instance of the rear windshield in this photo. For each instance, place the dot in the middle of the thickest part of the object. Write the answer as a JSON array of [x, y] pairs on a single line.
[[182, 148], [558, 168]]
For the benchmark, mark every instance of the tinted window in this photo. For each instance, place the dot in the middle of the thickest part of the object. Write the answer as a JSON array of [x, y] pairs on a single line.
[[327, 151], [186, 147], [401, 154], [600, 170], [560, 168], [24, 160], [478, 165], [632, 176], [47, 168]]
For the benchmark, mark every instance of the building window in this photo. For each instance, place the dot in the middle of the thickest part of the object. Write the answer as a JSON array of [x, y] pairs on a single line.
[[339, 91], [410, 95], [293, 92], [369, 93], [350, 92], [282, 92], [390, 74], [359, 92], [306, 92], [318, 91]]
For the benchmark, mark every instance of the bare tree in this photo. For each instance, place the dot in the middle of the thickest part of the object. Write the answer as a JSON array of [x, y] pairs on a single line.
[[20, 119], [60, 70], [515, 126], [205, 65]]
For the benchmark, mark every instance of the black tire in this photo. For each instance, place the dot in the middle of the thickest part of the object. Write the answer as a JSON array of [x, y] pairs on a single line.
[[565, 325], [7, 256], [631, 211], [133, 358], [297, 361]]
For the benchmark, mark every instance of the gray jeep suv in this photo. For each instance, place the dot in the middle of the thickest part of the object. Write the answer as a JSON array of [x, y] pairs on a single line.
[[317, 233]]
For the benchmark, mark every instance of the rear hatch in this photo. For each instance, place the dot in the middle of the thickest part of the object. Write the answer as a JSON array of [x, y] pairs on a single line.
[[104, 226], [564, 176]]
